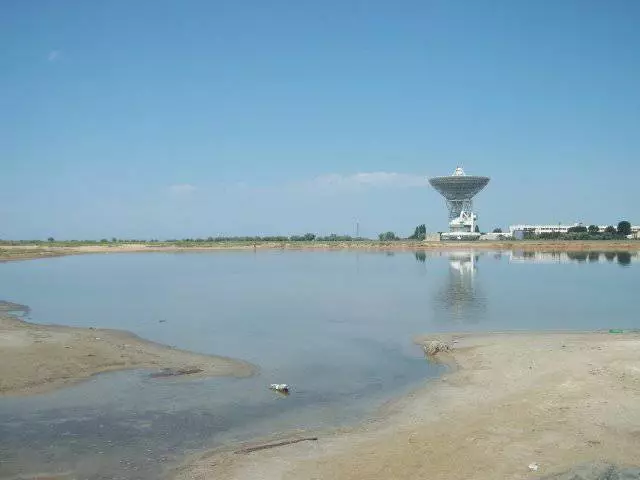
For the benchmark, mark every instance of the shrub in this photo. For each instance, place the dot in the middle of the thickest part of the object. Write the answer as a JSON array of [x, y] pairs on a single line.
[[387, 236]]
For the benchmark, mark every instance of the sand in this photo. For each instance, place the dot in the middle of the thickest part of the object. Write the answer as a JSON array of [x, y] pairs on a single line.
[[38, 358], [28, 252], [513, 399]]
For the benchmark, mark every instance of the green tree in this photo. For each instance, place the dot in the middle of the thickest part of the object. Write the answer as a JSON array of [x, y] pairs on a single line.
[[624, 228], [593, 229], [387, 236], [477, 230], [497, 230], [610, 229], [307, 237], [420, 233], [51, 239], [577, 229], [335, 238]]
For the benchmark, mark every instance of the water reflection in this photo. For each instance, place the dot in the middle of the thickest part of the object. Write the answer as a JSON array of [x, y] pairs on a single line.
[[578, 256], [624, 258], [343, 344], [461, 300]]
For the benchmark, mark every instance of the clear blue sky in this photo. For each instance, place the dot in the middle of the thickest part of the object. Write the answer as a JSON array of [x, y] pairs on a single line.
[[156, 118]]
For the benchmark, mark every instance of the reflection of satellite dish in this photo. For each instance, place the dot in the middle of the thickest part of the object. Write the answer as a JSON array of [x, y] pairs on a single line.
[[460, 300], [461, 255], [463, 267]]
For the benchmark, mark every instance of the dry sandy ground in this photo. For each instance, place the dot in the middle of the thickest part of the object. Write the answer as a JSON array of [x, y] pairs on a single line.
[[36, 358], [26, 252], [557, 399]]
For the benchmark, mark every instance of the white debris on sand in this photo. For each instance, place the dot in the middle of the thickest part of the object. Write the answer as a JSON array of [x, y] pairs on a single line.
[[280, 387]]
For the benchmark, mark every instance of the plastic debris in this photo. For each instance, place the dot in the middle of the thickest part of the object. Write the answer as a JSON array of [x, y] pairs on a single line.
[[534, 467], [280, 387], [174, 372]]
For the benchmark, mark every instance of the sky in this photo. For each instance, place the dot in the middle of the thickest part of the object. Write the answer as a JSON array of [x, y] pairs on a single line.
[[175, 119]]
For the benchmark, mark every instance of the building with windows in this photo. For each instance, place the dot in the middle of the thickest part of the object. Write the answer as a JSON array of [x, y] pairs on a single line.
[[559, 228]]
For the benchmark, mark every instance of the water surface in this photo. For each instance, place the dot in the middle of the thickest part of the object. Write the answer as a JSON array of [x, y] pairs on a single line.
[[337, 326]]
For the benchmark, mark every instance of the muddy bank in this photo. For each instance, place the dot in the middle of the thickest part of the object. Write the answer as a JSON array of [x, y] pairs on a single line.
[[37, 358], [553, 400], [28, 252]]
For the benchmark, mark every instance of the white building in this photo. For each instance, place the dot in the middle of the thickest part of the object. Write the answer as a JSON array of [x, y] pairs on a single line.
[[559, 228]]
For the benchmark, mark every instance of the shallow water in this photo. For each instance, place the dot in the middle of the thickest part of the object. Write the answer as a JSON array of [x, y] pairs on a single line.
[[337, 326]]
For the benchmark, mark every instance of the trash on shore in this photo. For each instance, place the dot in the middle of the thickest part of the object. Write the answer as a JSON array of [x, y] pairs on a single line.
[[175, 372], [280, 387], [274, 445], [534, 467], [435, 346]]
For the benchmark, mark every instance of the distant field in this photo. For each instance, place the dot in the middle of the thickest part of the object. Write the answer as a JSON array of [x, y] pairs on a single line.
[[33, 250]]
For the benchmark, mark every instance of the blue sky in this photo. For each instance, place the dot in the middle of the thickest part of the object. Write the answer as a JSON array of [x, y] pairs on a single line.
[[191, 118]]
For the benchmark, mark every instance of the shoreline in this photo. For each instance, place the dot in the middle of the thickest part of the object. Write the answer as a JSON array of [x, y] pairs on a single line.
[[38, 358], [556, 399], [31, 252]]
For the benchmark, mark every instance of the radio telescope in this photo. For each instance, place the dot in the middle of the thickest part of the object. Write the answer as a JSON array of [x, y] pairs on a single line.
[[458, 191]]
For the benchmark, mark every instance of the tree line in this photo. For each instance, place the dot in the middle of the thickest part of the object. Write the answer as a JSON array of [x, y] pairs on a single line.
[[420, 233], [307, 237], [579, 232], [592, 232]]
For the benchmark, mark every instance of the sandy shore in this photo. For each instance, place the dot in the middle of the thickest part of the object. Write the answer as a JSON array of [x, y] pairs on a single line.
[[37, 358], [556, 399], [27, 252]]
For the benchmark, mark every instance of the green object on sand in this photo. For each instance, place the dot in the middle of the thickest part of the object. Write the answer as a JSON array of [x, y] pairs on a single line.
[[615, 330]]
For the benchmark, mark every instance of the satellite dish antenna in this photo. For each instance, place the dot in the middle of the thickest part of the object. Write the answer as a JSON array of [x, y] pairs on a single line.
[[458, 191]]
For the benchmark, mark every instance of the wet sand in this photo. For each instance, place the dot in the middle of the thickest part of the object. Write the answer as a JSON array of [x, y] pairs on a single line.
[[28, 252], [38, 358], [511, 399]]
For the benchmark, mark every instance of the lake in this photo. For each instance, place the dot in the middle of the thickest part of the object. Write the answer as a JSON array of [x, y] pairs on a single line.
[[336, 326]]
